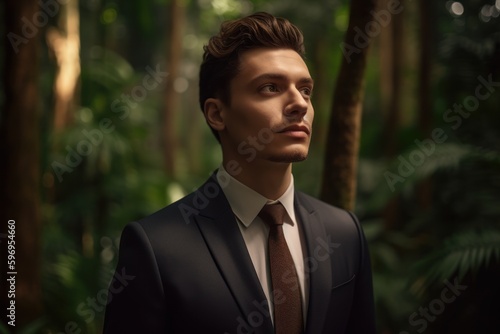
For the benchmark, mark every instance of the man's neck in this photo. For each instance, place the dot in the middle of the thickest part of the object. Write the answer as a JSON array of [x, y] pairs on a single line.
[[270, 179]]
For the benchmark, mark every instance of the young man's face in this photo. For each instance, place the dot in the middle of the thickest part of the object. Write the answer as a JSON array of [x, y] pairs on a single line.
[[270, 113]]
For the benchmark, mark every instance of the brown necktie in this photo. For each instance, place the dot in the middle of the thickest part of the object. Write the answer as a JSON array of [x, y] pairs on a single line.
[[284, 279]]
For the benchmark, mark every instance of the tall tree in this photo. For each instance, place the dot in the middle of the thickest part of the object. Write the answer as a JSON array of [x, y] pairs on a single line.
[[65, 45], [19, 147], [392, 117], [385, 62], [340, 167], [172, 98], [424, 91]]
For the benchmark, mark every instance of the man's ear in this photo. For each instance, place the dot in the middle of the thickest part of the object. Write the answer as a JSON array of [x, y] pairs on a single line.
[[213, 113]]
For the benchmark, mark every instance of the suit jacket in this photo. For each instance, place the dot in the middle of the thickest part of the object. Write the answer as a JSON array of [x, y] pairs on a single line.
[[186, 269]]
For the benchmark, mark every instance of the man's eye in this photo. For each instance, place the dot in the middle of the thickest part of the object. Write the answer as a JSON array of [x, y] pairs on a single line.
[[269, 89], [307, 91]]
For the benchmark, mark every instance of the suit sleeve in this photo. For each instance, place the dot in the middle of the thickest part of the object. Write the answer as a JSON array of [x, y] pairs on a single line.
[[136, 302], [362, 317]]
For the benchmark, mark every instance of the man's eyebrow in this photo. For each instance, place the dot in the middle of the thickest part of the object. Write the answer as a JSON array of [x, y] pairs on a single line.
[[281, 77]]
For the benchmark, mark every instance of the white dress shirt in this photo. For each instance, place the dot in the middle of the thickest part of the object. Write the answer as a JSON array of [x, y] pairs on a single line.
[[246, 205]]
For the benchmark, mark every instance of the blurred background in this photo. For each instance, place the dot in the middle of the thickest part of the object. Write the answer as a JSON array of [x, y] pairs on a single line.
[[100, 126]]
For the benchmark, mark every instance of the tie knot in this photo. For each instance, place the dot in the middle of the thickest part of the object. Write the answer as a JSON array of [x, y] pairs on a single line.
[[273, 214]]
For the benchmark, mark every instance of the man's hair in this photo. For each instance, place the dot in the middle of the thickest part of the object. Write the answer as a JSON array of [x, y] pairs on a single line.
[[221, 56]]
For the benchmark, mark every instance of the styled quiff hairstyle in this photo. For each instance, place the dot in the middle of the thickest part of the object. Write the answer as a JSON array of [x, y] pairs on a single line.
[[222, 54]]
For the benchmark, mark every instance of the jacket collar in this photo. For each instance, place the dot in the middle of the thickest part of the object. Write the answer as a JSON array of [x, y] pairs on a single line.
[[219, 228]]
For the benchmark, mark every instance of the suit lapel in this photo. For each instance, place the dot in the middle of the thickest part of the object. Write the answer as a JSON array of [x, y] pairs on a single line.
[[222, 235], [320, 280]]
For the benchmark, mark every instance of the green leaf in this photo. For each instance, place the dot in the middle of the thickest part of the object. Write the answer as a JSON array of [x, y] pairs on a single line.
[[461, 254]]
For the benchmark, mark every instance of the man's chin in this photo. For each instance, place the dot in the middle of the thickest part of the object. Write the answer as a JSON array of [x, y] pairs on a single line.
[[288, 157]]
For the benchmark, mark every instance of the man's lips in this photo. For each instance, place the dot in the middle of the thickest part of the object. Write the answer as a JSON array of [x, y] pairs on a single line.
[[296, 128]]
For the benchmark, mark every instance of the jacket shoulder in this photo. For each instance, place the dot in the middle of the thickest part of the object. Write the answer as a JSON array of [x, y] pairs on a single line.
[[181, 211], [334, 219], [316, 204]]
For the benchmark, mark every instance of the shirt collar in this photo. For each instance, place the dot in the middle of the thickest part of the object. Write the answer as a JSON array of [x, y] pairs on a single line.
[[246, 203]]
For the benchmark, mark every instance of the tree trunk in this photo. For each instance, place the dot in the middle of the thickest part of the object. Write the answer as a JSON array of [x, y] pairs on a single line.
[[392, 119], [65, 44], [194, 138], [172, 98], [424, 92], [19, 147], [393, 116], [340, 167], [385, 60]]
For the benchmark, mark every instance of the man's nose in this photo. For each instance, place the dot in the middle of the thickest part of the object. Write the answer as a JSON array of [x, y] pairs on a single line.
[[297, 104]]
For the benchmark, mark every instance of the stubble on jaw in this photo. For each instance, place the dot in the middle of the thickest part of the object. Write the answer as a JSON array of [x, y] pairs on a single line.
[[289, 157]]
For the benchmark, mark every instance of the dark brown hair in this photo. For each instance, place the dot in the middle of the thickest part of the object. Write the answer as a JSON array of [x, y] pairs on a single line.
[[221, 56]]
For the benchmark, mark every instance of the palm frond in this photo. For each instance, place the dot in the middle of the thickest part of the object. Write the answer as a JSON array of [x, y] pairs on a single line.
[[461, 254], [402, 176]]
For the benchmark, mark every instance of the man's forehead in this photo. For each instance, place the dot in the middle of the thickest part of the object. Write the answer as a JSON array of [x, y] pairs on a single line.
[[272, 62]]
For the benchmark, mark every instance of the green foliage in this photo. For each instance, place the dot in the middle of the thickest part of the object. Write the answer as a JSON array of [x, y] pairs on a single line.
[[457, 236], [118, 181], [122, 179], [461, 254], [34, 327]]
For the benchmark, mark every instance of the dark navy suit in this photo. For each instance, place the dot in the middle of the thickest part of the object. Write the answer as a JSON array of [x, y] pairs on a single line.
[[193, 274]]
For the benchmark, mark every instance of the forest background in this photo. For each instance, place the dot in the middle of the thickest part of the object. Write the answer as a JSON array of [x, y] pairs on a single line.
[[100, 126]]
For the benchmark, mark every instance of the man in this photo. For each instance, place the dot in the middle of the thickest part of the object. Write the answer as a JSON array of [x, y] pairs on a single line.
[[246, 253]]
